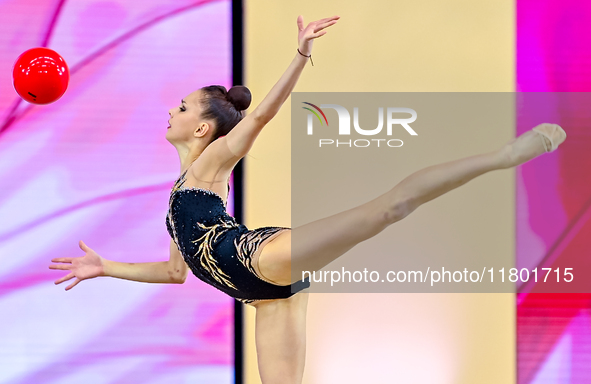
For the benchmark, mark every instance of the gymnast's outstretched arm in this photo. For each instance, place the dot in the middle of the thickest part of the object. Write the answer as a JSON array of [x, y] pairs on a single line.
[[241, 138], [173, 271]]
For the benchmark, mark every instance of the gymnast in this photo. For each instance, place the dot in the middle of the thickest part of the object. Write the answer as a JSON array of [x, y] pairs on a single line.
[[211, 133]]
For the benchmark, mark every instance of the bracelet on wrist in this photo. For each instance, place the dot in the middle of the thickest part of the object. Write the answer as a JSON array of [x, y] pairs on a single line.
[[310, 57]]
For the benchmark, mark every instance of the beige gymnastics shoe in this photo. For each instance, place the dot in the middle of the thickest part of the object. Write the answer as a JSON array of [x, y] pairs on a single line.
[[552, 135]]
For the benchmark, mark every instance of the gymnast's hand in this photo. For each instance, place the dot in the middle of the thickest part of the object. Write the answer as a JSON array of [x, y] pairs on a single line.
[[85, 267], [312, 31]]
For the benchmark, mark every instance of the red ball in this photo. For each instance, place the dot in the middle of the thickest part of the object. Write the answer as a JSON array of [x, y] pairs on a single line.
[[40, 75]]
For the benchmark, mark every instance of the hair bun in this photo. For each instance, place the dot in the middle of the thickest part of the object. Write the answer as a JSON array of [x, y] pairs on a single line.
[[240, 97]]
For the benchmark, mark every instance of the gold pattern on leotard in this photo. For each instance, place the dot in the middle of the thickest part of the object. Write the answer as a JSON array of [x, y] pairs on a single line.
[[246, 301], [249, 243], [205, 250]]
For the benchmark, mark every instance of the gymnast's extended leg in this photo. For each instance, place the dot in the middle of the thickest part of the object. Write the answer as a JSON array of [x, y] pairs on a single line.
[[329, 238]]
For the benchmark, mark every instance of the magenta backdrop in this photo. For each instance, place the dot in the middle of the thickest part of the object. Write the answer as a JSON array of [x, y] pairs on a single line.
[[554, 192], [96, 166]]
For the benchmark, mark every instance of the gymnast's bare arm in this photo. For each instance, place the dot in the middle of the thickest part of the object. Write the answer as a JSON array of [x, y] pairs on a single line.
[[241, 138], [173, 271]]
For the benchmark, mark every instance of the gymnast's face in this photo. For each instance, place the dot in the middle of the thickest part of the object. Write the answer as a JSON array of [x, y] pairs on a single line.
[[186, 124]]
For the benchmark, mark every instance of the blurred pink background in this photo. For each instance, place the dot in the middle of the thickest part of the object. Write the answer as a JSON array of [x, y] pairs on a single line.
[[95, 166], [554, 192]]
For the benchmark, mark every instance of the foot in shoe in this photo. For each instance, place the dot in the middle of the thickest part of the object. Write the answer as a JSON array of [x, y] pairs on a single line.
[[541, 139], [552, 135]]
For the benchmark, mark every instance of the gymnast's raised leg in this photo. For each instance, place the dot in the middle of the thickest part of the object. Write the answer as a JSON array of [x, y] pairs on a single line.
[[329, 238], [281, 324]]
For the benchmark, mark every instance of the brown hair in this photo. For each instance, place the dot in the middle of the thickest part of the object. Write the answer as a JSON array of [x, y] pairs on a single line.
[[224, 107]]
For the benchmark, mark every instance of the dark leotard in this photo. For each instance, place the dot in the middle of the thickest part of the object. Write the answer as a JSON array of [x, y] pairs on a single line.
[[217, 249]]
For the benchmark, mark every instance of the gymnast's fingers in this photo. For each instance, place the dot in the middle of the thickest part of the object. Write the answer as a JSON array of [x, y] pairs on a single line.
[[73, 285], [316, 35], [326, 19], [60, 266], [65, 278], [300, 22], [324, 25], [62, 259]]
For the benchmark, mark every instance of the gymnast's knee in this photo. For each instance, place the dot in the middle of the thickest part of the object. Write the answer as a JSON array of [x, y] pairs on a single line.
[[398, 210]]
